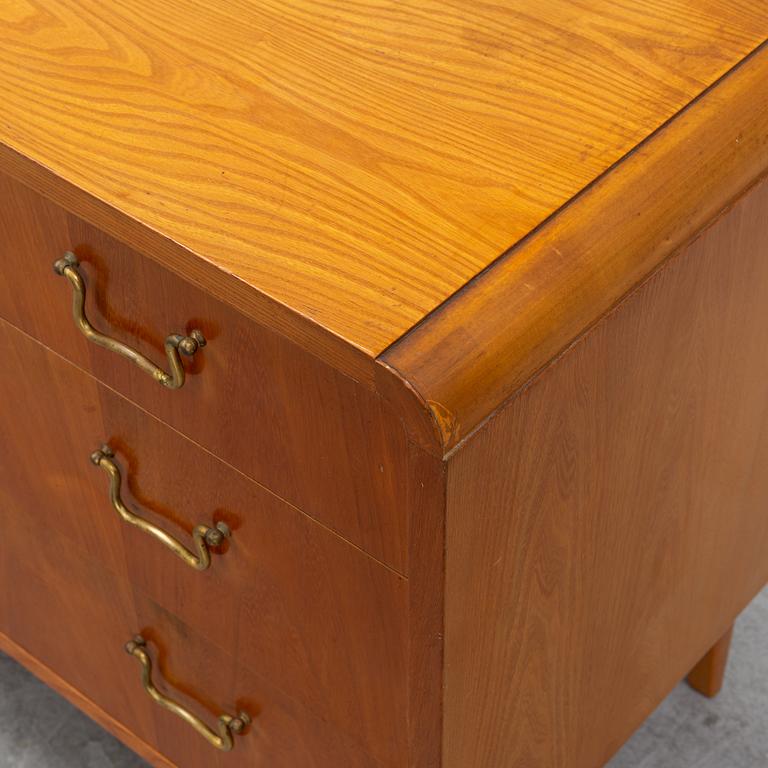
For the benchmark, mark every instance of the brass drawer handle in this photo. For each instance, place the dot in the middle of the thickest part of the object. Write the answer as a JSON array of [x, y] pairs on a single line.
[[203, 536], [227, 724], [175, 344]]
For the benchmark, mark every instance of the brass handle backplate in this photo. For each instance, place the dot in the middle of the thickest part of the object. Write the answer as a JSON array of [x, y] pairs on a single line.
[[203, 536], [227, 725], [175, 344]]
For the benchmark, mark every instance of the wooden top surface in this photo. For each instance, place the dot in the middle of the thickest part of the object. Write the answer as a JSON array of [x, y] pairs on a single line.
[[478, 351], [359, 162]]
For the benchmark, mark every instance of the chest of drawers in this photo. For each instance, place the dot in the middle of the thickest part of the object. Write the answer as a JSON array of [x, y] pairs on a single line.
[[382, 385]]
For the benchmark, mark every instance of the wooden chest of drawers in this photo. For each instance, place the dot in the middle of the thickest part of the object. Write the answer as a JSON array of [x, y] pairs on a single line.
[[382, 385]]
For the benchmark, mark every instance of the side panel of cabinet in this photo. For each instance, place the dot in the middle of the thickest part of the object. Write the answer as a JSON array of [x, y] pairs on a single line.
[[608, 525]]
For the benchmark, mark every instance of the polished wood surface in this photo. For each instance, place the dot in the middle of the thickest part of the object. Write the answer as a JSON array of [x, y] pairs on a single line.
[[75, 617], [484, 408], [609, 524], [426, 610], [379, 153], [486, 343], [322, 441], [287, 599], [708, 675]]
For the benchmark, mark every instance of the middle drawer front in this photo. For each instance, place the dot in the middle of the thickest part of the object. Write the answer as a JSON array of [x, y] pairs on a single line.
[[283, 596]]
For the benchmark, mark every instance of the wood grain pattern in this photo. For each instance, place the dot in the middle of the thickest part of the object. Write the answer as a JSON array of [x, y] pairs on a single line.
[[288, 600], [74, 617], [607, 526], [224, 286], [324, 442], [480, 347], [379, 153], [426, 612], [708, 675], [404, 228]]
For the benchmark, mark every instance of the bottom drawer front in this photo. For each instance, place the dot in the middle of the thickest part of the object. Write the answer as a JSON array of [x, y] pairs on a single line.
[[75, 618]]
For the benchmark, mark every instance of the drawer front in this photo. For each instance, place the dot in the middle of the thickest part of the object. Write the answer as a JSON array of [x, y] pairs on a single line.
[[283, 417], [75, 617], [324, 622]]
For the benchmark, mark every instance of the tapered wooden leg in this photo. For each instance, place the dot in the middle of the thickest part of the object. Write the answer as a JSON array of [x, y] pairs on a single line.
[[707, 676]]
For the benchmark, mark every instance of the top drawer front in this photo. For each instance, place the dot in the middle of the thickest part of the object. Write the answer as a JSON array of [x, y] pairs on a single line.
[[283, 417]]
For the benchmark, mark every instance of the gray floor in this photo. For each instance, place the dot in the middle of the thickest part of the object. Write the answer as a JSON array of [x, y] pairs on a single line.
[[729, 731], [38, 729]]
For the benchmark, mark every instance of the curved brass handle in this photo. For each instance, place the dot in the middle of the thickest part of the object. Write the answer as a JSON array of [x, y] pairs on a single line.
[[227, 724], [175, 344], [203, 536]]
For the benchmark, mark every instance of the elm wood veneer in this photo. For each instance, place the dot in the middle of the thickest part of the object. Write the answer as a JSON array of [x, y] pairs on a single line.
[[625, 523], [75, 617], [381, 153], [276, 597], [276, 412], [469, 288], [476, 351]]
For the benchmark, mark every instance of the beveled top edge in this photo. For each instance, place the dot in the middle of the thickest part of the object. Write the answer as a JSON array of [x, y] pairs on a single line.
[[482, 346], [346, 167]]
